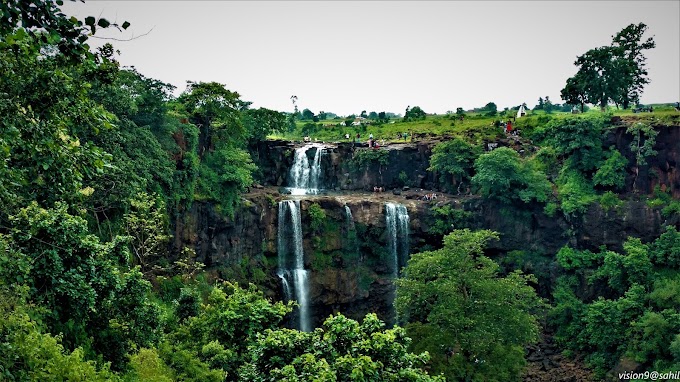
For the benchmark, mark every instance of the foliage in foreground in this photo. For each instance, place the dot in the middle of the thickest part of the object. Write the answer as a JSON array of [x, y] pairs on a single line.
[[341, 350], [473, 323]]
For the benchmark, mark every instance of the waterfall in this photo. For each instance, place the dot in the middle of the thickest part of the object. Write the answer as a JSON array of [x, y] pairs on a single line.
[[397, 220], [349, 218], [291, 260], [305, 178], [315, 171]]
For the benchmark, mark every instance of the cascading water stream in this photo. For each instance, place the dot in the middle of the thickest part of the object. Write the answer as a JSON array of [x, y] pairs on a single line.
[[315, 172], [291, 270], [350, 219], [397, 221], [299, 173], [305, 177]]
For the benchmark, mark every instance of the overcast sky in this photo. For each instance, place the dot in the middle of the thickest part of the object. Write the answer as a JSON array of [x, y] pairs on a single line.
[[345, 57]]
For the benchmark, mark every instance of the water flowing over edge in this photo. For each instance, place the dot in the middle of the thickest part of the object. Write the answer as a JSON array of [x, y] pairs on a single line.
[[397, 222], [295, 280], [305, 178]]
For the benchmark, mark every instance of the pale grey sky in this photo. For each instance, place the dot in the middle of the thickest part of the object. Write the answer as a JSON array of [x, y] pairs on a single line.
[[349, 56]]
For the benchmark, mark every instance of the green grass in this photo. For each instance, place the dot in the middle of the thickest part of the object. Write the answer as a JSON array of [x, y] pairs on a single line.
[[475, 128]]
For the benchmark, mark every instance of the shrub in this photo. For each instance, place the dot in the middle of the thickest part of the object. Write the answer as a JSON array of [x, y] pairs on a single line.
[[579, 139], [363, 158], [403, 178], [673, 209], [612, 173], [447, 218], [574, 191], [317, 216], [609, 200]]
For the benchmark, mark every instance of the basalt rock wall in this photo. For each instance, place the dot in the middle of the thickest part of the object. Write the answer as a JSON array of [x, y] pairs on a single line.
[[341, 172], [349, 261], [660, 169]]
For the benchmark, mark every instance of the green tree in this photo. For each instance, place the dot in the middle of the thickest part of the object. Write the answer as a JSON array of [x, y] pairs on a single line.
[[642, 145], [575, 191], [414, 114], [45, 109], [226, 168], [502, 175], [148, 366], [307, 115], [341, 350], [215, 110], [575, 91], [666, 249], [76, 277], [611, 73], [215, 341], [147, 226], [631, 309], [540, 104], [261, 122], [490, 109], [317, 216], [628, 46], [223, 175], [28, 354], [473, 323], [454, 158], [548, 105], [576, 139], [44, 23]]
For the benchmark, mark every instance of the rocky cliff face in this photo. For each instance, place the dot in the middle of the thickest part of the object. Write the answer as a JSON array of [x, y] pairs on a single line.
[[349, 261], [661, 169], [275, 158], [340, 172]]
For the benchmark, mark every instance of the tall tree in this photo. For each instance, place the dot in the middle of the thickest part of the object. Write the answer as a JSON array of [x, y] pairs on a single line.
[[215, 110], [613, 73], [628, 46], [575, 92], [473, 323]]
